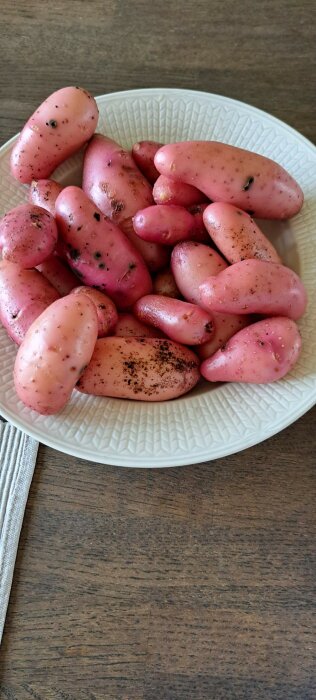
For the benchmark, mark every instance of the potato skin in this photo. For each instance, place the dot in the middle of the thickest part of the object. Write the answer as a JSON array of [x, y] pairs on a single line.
[[98, 251], [58, 274], [63, 123], [24, 295], [28, 235], [44, 193], [142, 369], [260, 353], [155, 255], [191, 264], [105, 308], [183, 322], [199, 232], [255, 286], [229, 174], [143, 154], [112, 180], [168, 191], [164, 284], [128, 326], [56, 348], [225, 326], [236, 234], [165, 224]]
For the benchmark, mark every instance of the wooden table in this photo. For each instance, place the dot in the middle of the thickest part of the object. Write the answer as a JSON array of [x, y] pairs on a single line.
[[180, 584]]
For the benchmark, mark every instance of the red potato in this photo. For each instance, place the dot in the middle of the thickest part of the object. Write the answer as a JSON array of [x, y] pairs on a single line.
[[106, 311], [156, 256], [260, 353], [143, 154], [24, 295], [255, 286], [225, 326], [129, 326], [236, 234], [61, 125], [44, 193], [191, 264], [98, 251], [199, 232], [143, 369], [112, 180], [229, 174], [168, 191], [164, 224], [28, 235], [185, 323], [164, 284], [56, 349], [58, 274]]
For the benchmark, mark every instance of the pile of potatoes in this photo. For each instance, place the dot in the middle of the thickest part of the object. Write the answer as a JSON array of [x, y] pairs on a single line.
[[152, 274]]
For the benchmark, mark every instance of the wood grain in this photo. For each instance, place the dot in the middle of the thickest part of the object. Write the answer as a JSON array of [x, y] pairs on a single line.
[[195, 583]]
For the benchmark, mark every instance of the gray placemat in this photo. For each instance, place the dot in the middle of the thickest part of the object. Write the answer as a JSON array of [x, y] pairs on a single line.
[[17, 462]]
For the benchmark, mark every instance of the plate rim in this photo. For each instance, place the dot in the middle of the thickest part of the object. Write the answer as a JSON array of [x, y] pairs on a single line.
[[220, 452]]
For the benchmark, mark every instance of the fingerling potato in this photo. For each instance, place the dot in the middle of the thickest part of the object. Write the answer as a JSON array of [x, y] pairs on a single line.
[[105, 308], [191, 264], [28, 235], [164, 224], [183, 322], [168, 191], [44, 193], [143, 154]]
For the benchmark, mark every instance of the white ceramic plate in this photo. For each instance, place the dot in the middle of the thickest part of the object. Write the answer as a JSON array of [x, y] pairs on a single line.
[[210, 422]]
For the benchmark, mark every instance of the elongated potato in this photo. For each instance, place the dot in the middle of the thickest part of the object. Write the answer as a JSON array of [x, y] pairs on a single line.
[[24, 295], [225, 326], [98, 251], [182, 322], [112, 180], [143, 154], [236, 234], [168, 191], [58, 274], [105, 308], [260, 353], [128, 326], [164, 224], [28, 235], [155, 255], [229, 174], [143, 369], [255, 286], [191, 264], [54, 352], [165, 285], [63, 123], [44, 193]]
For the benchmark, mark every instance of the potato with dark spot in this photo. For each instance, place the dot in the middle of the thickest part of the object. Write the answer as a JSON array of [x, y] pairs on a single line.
[[143, 369], [44, 193], [183, 322], [28, 235]]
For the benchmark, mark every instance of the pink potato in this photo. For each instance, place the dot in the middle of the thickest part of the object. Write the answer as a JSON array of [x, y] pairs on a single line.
[[143, 369], [255, 286], [168, 191], [260, 353], [236, 234], [191, 264], [56, 349], [164, 224], [28, 235], [156, 256], [24, 295], [199, 232], [225, 326], [183, 322], [229, 174], [112, 180], [98, 251], [164, 284], [58, 274], [61, 125], [143, 154], [106, 311], [129, 326], [44, 193]]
